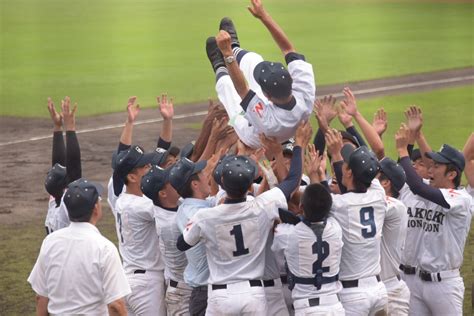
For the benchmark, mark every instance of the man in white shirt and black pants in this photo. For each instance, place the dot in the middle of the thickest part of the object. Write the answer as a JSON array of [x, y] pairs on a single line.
[[78, 271]]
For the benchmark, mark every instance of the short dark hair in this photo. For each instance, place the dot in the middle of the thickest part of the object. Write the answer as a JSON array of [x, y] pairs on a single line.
[[187, 191], [317, 202], [85, 218], [457, 179], [393, 192], [236, 193], [360, 186]]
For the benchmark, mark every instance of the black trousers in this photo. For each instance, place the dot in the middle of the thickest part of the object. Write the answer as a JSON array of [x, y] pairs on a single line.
[[198, 301]]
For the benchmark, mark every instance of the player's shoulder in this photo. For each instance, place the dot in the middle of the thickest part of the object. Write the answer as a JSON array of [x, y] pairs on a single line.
[[456, 197], [285, 229]]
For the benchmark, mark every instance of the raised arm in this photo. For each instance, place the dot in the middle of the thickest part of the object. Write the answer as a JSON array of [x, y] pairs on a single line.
[[59, 148], [73, 151], [414, 117], [380, 122], [127, 132], [415, 182], [469, 157], [283, 42], [334, 144], [274, 152], [350, 106], [224, 43], [167, 113]]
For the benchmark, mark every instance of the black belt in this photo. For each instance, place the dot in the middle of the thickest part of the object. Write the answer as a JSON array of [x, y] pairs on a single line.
[[173, 283], [139, 271], [268, 283], [426, 276], [284, 279], [354, 283], [407, 269], [313, 301], [224, 286]]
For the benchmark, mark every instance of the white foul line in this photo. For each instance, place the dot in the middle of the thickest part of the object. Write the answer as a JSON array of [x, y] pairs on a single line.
[[200, 113]]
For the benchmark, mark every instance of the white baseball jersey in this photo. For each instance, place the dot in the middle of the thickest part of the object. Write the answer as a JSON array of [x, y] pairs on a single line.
[[393, 238], [57, 216], [136, 233], [111, 197], [235, 236], [361, 216], [415, 206], [298, 243], [445, 232], [79, 271], [168, 233]]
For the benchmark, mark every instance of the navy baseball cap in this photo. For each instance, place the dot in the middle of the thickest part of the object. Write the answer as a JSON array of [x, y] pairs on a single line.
[[126, 161], [273, 78], [187, 150], [238, 173], [81, 196], [448, 154], [183, 170], [394, 172], [56, 180], [154, 181], [160, 156], [217, 174], [350, 138], [362, 161]]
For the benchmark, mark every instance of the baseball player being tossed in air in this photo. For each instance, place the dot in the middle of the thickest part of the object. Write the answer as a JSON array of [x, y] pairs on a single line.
[[438, 288], [235, 233], [276, 99]]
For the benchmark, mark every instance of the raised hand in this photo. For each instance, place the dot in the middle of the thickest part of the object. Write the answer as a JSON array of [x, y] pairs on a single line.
[[132, 109], [312, 161], [380, 121], [68, 114], [224, 42], [414, 118], [55, 116], [344, 118], [325, 111], [257, 9], [333, 142], [268, 172], [303, 134], [401, 139], [166, 106], [349, 103]]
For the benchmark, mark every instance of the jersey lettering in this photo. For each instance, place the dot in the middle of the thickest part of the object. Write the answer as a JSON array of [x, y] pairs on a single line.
[[367, 219], [239, 241]]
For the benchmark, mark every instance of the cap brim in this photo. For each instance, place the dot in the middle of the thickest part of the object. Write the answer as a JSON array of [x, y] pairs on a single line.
[[437, 157], [346, 152], [145, 159], [199, 166], [159, 158]]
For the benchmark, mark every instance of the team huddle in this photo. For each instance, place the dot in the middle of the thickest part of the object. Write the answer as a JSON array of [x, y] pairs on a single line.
[[258, 216]]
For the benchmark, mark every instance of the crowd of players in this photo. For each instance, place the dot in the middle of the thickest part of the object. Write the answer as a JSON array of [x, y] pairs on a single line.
[[258, 216]]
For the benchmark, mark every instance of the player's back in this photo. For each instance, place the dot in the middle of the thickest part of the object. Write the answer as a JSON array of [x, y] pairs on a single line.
[[235, 236], [393, 238], [361, 216], [300, 247], [136, 233], [168, 233]]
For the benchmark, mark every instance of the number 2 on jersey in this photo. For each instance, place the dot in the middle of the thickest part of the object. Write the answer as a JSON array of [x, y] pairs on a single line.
[[367, 219], [239, 241], [322, 253]]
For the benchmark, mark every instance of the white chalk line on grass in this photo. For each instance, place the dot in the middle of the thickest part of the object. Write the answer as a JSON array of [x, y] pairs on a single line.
[[201, 113]]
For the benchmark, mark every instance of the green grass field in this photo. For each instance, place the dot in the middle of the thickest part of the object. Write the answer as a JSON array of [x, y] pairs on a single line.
[[100, 52]]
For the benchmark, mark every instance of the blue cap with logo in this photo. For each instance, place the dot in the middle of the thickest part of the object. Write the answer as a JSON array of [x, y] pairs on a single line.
[[154, 181], [183, 170], [56, 180], [448, 154]]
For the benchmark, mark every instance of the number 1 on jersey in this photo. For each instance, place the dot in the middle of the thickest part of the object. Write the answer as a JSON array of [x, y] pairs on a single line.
[[239, 241]]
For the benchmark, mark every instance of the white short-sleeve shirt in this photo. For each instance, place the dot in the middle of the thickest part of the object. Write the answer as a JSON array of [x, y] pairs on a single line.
[[79, 271]]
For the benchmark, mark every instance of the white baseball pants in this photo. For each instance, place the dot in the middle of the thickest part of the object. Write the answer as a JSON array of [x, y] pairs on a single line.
[[275, 299], [237, 299], [177, 298], [329, 305], [368, 298], [148, 294], [398, 297]]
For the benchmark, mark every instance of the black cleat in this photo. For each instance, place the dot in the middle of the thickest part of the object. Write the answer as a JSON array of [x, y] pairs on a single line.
[[214, 54], [228, 26]]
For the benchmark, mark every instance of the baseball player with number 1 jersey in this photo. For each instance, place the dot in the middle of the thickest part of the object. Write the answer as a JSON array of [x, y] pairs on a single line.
[[361, 213]]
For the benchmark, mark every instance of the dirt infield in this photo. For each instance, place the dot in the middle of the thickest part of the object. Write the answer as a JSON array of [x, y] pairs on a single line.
[[25, 144]]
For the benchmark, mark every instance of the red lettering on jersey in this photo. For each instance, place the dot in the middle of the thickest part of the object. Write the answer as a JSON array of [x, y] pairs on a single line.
[[188, 225], [258, 109], [453, 191]]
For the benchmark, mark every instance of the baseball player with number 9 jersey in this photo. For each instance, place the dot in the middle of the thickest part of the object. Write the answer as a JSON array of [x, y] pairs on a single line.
[[361, 212]]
